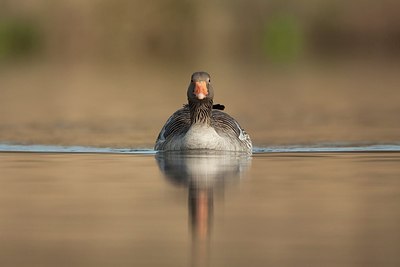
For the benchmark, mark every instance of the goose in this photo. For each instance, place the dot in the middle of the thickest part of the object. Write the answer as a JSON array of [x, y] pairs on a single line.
[[200, 125]]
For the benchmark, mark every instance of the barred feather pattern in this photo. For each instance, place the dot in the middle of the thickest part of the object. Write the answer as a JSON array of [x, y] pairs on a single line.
[[175, 127], [202, 113], [225, 125]]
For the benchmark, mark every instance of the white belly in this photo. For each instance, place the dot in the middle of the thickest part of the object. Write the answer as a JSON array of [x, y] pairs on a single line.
[[202, 137]]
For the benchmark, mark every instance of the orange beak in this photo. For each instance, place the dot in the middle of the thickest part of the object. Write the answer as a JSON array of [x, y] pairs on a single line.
[[201, 90]]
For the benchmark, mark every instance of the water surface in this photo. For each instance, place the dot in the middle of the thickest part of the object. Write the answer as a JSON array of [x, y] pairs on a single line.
[[288, 208]]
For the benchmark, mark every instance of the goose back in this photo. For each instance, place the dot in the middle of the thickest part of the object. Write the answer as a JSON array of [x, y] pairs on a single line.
[[232, 136]]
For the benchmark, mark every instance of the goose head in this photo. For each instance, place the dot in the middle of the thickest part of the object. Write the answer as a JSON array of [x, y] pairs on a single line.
[[200, 89]]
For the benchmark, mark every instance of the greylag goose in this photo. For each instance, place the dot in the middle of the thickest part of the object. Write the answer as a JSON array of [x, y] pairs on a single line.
[[201, 125]]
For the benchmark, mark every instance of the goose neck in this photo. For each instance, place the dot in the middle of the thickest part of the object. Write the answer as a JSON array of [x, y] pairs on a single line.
[[200, 112]]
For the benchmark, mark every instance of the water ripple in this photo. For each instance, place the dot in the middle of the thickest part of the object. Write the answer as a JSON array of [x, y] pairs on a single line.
[[72, 149], [327, 148], [257, 150]]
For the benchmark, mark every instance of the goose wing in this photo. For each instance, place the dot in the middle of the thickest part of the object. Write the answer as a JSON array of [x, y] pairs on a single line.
[[177, 124], [226, 125]]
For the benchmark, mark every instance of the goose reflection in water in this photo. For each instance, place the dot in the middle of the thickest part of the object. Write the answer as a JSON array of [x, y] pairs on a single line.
[[203, 173]]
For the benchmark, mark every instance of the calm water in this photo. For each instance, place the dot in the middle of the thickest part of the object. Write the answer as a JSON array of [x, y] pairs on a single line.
[[301, 205], [340, 207]]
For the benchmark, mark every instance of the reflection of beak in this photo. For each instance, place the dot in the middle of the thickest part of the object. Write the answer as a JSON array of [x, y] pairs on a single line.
[[201, 90], [202, 215]]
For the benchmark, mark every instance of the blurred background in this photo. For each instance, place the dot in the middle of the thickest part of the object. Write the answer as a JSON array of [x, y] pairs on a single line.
[[109, 73]]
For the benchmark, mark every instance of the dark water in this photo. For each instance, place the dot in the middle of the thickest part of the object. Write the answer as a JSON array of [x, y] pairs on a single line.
[[294, 207]]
